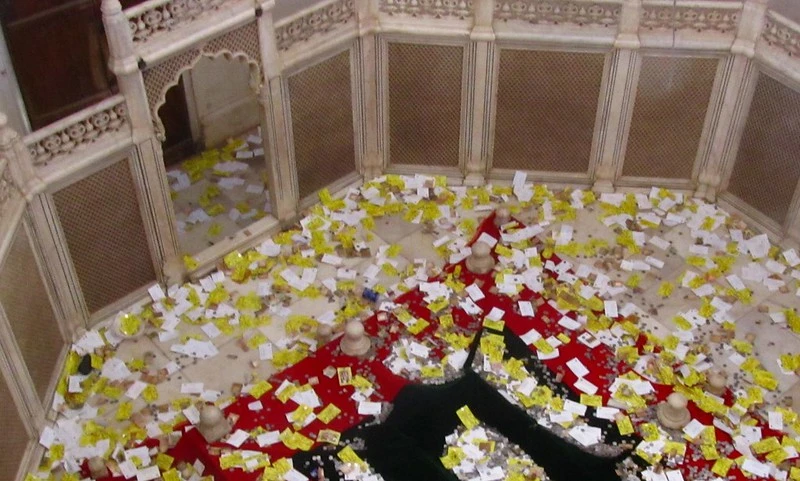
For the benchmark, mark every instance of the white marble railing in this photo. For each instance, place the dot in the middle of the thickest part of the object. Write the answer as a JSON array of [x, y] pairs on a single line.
[[156, 16], [554, 12], [783, 33], [77, 130], [428, 8], [700, 16], [315, 20]]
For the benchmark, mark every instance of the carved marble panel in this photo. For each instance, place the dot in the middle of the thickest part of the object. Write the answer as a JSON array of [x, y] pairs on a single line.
[[314, 23], [167, 15], [67, 137], [553, 12], [428, 8], [781, 35], [700, 19]]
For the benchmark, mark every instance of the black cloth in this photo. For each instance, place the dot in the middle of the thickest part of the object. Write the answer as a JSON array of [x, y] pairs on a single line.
[[407, 445]]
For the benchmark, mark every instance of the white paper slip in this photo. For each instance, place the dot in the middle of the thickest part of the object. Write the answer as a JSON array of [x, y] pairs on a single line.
[[255, 406], [791, 257], [474, 292], [526, 308], [265, 351], [368, 408], [610, 308], [694, 428], [147, 474], [238, 438], [268, 438], [331, 260], [211, 330], [674, 475], [531, 336], [156, 293], [496, 314], [576, 366], [575, 408], [776, 420], [191, 388], [569, 323], [608, 413], [757, 468], [487, 239], [586, 386], [136, 389], [418, 350]]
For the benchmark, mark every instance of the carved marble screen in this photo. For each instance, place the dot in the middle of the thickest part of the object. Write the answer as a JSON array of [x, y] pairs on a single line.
[[425, 104], [322, 123], [14, 440], [767, 169], [105, 235], [27, 307], [546, 109], [668, 116]]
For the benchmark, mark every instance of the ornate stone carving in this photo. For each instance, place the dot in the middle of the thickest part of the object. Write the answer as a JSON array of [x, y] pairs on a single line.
[[690, 18], [7, 188], [164, 15], [780, 34], [428, 8], [63, 138], [559, 13], [241, 43], [322, 20]]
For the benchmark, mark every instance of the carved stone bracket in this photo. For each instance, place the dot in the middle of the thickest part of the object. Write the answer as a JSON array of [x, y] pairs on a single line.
[[319, 21], [781, 35], [428, 8], [559, 13], [162, 16], [241, 43], [85, 127], [690, 18]]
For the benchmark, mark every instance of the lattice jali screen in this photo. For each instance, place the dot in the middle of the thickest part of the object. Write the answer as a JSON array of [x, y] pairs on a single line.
[[546, 108], [14, 439], [424, 104], [322, 123], [105, 235], [767, 167], [27, 307], [668, 116]]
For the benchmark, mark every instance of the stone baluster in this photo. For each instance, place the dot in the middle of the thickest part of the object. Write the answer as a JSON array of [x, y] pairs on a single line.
[[283, 189], [20, 162], [367, 49], [618, 98], [147, 157], [482, 51], [737, 86]]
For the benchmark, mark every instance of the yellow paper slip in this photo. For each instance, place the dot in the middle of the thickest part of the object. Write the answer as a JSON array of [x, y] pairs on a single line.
[[329, 413], [467, 418]]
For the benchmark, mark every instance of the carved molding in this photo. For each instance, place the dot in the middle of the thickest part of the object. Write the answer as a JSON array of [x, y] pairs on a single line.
[[559, 13], [428, 8], [690, 18], [7, 189], [164, 15], [319, 21], [65, 137], [241, 44], [781, 35]]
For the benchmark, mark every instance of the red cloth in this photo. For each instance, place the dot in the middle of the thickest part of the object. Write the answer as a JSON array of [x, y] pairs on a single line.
[[272, 417]]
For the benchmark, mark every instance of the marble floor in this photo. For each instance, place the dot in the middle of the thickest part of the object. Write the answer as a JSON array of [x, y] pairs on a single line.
[[685, 271], [220, 191]]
